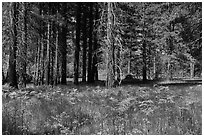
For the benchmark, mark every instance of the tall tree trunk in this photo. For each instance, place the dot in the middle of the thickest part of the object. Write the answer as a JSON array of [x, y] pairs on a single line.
[[94, 65], [13, 46], [90, 52], [3, 77], [118, 70], [84, 44], [47, 70], [23, 48], [113, 56], [37, 66], [144, 69], [144, 58], [109, 49], [192, 69], [52, 57], [129, 62], [95, 47], [155, 70], [63, 51], [169, 52], [42, 55], [38, 63], [42, 60], [56, 59], [77, 47], [168, 69]]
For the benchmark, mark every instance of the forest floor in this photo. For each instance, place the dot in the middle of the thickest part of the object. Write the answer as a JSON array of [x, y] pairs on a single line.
[[141, 109]]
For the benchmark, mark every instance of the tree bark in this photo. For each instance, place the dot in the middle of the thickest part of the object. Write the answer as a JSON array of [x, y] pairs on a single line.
[[169, 52], [38, 63], [52, 56], [90, 51], [118, 70], [56, 59], [129, 62], [47, 73], [77, 47], [192, 69], [3, 77], [13, 47], [155, 68], [95, 58], [84, 44], [94, 66], [42, 55], [144, 69], [109, 49], [42, 60], [144, 58], [23, 48], [63, 51]]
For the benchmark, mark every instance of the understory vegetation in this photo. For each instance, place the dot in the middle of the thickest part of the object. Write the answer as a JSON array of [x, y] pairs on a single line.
[[129, 109]]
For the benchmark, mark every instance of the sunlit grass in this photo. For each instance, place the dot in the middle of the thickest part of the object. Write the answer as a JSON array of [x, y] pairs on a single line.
[[96, 110]]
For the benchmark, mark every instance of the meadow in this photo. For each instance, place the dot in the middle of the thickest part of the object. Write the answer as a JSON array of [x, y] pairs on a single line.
[[86, 109]]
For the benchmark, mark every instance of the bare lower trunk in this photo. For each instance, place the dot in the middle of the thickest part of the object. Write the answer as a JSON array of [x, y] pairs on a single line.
[[129, 62], [13, 48], [109, 50], [192, 69]]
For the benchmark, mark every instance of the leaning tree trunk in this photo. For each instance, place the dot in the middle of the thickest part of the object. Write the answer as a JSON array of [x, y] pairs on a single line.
[[109, 49], [38, 63], [13, 47]]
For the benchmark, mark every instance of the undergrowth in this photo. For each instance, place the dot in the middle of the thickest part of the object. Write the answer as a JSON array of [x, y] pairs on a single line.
[[128, 110]]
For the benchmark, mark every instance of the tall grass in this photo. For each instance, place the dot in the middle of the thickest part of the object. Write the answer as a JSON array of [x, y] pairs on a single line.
[[96, 110]]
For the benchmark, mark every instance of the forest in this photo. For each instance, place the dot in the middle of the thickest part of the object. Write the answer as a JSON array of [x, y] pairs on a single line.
[[102, 68]]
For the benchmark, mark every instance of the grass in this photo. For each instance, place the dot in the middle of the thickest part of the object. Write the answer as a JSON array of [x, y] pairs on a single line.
[[125, 110]]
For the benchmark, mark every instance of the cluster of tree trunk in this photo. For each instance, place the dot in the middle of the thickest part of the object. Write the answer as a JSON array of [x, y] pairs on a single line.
[[51, 52], [85, 31], [58, 23]]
